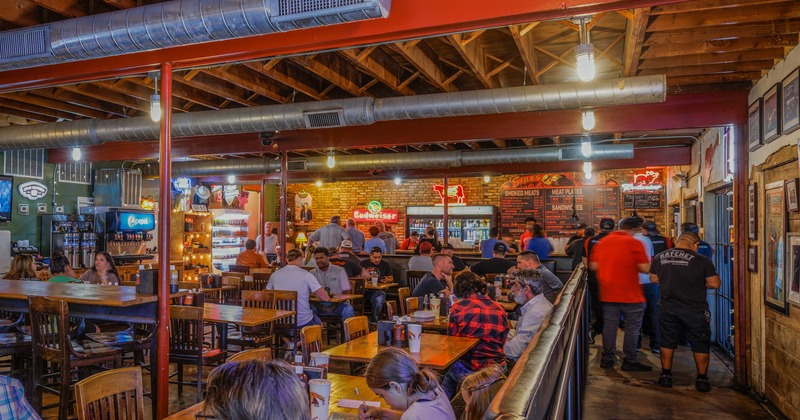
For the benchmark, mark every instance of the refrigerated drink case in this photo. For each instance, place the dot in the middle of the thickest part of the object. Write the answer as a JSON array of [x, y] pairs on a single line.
[[467, 225]]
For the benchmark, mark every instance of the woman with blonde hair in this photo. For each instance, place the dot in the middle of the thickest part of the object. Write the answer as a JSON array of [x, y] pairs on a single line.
[[308, 258], [412, 393], [255, 390], [22, 267], [479, 389]]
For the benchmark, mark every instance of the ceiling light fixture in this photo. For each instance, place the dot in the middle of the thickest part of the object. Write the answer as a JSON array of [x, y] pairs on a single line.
[[76, 153], [331, 160], [584, 55], [587, 119], [587, 170], [486, 179], [155, 103], [231, 179], [319, 183], [398, 180], [586, 148]]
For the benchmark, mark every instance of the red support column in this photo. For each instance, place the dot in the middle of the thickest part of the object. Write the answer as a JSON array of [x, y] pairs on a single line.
[[165, 209], [445, 215], [741, 276], [262, 212], [284, 204]]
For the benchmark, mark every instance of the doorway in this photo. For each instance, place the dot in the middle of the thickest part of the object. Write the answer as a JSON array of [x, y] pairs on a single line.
[[722, 309]]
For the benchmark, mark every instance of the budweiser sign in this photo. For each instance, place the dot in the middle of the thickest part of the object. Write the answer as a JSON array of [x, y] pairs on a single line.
[[374, 213]]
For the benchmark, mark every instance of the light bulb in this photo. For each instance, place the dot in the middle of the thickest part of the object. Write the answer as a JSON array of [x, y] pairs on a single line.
[[586, 149], [398, 180], [76, 153], [319, 183], [155, 108], [585, 61], [331, 160], [231, 179], [587, 170], [486, 179], [587, 175], [587, 118]]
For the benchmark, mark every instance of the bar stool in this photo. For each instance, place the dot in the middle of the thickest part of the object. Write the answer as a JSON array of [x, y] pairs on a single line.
[[51, 344]]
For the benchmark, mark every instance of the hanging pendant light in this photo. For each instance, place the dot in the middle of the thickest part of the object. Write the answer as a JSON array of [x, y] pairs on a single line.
[[584, 55]]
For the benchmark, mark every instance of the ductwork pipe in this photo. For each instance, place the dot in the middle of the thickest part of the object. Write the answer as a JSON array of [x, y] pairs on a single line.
[[171, 24], [387, 161], [344, 112]]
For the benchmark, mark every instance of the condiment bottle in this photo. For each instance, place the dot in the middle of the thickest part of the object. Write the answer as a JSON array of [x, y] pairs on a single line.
[[397, 333], [426, 303], [298, 370], [139, 274]]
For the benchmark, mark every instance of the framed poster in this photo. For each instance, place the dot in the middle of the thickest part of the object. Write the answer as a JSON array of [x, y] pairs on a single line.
[[775, 248], [752, 259], [793, 267], [752, 211], [791, 195], [772, 112], [790, 102], [303, 212], [754, 125]]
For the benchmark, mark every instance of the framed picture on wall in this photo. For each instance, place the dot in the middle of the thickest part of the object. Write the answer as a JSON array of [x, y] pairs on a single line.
[[775, 290], [793, 267], [752, 211], [791, 195], [790, 109], [752, 259], [772, 114], [754, 125]]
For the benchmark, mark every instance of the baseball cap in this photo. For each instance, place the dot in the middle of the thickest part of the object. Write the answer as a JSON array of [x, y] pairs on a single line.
[[336, 219], [690, 227], [448, 246], [346, 243], [650, 226], [606, 223], [581, 226], [500, 247], [425, 246]]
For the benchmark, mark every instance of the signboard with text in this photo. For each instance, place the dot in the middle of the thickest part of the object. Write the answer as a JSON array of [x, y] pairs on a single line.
[[375, 213]]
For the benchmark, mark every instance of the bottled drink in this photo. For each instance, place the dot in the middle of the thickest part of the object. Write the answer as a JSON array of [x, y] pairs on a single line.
[[426, 303], [173, 279], [398, 333], [139, 274]]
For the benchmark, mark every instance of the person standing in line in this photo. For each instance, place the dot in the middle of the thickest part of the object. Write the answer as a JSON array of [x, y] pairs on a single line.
[[618, 259], [374, 241], [539, 243], [330, 235], [650, 291], [356, 236], [487, 245], [704, 248], [576, 247], [660, 243], [579, 232], [388, 238], [606, 226], [528, 234], [684, 276]]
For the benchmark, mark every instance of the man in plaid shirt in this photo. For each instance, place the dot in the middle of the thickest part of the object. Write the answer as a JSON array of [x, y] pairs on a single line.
[[475, 315], [13, 405]]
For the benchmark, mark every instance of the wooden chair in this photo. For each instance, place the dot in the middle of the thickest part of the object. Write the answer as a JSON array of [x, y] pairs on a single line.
[[232, 274], [190, 285], [357, 287], [186, 345], [412, 304], [51, 343], [414, 277], [252, 354], [260, 336], [260, 281], [116, 394], [355, 327], [285, 300], [231, 296], [135, 339], [402, 294], [310, 341], [239, 268], [391, 309]]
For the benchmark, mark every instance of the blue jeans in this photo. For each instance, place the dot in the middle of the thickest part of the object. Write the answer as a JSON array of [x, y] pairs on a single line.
[[453, 378], [650, 321], [343, 309], [633, 313], [376, 299]]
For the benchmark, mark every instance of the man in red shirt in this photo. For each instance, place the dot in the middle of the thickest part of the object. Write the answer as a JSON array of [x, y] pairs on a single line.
[[618, 259], [528, 234], [475, 315]]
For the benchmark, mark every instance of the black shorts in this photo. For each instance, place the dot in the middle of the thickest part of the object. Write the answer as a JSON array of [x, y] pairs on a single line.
[[677, 323]]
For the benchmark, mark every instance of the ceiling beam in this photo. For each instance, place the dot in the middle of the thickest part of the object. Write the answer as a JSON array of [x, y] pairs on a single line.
[[787, 26], [634, 37], [58, 94], [20, 13], [714, 78], [429, 69], [362, 58], [323, 67], [27, 115], [231, 93], [404, 22], [122, 4], [523, 38], [729, 16], [36, 109], [269, 69], [470, 48], [709, 69], [103, 94], [180, 90], [57, 105], [68, 8], [707, 5], [706, 59], [240, 76], [719, 46]]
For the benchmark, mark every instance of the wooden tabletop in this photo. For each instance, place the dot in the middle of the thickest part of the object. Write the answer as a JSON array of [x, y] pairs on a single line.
[[508, 305], [344, 297], [437, 351], [248, 317], [342, 387], [89, 294], [380, 286], [438, 325]]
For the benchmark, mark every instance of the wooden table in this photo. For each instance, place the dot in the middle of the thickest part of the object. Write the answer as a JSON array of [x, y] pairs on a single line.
[[381, 286], [223, 315], [438, 351], [508, 305], [438, 325], [344, 297], [342, 387]]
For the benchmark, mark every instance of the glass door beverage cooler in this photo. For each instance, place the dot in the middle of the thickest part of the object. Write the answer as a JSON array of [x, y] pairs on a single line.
[[467, 225], [228, 236]]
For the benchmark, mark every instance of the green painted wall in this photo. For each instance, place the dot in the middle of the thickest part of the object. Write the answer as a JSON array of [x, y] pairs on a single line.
[[270, 202]]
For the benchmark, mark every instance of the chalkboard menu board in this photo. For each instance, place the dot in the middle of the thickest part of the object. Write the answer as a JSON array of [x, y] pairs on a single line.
[[642, 201], [552, 207]]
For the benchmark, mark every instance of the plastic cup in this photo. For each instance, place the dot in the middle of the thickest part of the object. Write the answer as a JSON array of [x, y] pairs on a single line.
[[436, 305], [320, 398], [374, 281], [319, 360], [248, 277], [414, 337]]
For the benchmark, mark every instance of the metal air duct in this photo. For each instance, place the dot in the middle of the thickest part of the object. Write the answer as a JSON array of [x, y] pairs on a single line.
[[385, 161], [348, 112], [172, 24]]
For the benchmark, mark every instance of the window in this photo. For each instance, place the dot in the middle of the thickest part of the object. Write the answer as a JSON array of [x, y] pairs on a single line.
[[75, 172], [730, 162], [28, 163]]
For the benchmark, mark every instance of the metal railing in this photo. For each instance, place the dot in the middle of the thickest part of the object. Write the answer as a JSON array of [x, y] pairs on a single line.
[[548, 380]]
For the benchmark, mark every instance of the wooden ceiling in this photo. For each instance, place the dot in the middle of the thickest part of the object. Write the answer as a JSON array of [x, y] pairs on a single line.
[[701, 46]]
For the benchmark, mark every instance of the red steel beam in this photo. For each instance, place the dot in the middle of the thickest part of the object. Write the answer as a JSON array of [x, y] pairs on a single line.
[[408, 19], [165, 207], [697, 110]]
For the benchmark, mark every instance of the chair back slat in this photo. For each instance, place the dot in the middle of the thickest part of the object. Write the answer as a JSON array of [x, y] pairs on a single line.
[[115, 394], [239, 268], [49, 328], [311, 341], [262, 299], [252, 354], [412, 304], [286, 300], [391, 309], [402, 294], [259, 282], [186, 329], [414, 277], [355, 327]]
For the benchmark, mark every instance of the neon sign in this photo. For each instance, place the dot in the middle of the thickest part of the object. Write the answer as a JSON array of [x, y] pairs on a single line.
[[645, 182], [456, 191], [375, 213]]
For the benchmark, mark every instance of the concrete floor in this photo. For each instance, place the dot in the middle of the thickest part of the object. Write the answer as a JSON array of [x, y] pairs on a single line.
[[617, 394]]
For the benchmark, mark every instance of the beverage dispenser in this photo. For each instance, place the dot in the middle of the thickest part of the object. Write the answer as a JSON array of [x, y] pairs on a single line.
[[124, 233]]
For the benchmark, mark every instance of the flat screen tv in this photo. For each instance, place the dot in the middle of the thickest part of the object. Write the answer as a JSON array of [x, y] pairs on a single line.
[[6, 193]]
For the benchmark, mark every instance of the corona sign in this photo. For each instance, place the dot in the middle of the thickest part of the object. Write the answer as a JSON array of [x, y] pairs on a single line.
[[375, 213]]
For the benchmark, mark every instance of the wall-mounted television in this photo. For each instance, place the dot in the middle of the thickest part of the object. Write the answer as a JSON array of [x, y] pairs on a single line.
[[6, 194]]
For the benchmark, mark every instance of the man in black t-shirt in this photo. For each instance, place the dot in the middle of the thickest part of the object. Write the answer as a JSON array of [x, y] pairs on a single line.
[[606, 226], [683, 276], [376, 267], [440, 279], [498, 264]]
